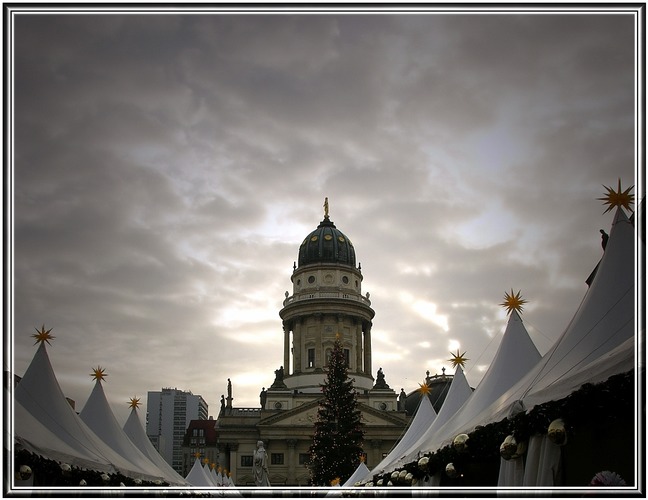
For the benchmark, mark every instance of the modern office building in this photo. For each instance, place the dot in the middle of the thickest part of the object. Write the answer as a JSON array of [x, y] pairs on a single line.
[[169, 413]]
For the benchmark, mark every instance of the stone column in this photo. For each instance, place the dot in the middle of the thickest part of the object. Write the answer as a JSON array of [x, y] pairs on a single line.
[[297, 346], [367, 349], [233, 460], [359, 350], [319, 354], [286, 363], [292, 444], [376, 453]]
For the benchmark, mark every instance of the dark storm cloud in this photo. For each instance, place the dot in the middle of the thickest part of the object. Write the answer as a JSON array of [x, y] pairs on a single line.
[[167, 167]]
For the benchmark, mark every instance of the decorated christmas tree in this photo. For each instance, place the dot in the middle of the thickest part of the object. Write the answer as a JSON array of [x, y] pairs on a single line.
[[337, 443]]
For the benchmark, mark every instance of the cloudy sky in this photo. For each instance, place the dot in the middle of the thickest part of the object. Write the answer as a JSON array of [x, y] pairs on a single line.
[[167, 167]]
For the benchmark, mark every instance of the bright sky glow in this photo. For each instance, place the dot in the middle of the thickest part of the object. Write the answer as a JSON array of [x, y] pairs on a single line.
[[167, 167]]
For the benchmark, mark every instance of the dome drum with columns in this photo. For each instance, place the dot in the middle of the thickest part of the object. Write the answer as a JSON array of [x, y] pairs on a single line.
[[327, 301], [326, 304]]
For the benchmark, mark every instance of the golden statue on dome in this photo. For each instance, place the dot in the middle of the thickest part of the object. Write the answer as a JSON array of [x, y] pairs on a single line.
[[326, 208]]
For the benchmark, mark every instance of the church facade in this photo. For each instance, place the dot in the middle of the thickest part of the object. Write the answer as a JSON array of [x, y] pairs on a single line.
[[326, 301]]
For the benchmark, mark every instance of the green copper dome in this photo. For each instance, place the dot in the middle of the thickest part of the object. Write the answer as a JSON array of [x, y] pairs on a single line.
[[327, 244]]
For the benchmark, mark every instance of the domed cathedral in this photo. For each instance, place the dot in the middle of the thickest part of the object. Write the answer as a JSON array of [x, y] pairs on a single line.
[[326, 302]]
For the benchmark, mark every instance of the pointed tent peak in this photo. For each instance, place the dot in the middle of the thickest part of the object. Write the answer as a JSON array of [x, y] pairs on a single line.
[[617, 198], [513, 301], [458, 360], [43, 335], [620, 216], [98, 374], [514, 318], [134, 403]]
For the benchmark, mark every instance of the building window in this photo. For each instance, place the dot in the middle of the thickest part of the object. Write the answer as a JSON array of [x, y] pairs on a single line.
[[347, 356], [303, 458], [276, 458], [311, 358], [247, 460]]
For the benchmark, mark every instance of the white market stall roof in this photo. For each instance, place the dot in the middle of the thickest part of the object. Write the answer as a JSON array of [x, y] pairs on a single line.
[[40, 395], [134, 429]]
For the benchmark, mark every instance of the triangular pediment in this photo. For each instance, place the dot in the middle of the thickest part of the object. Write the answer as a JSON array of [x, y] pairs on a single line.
[[306, 415]]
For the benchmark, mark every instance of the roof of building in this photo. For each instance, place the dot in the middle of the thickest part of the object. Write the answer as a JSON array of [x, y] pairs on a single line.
[[327, 244], [208, 426]]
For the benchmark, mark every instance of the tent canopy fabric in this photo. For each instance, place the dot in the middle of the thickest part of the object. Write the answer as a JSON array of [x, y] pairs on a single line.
[[41, 396], [598, 342], [134, 429], [516, 355], [458, 394], [421, 421], [99, 417], [33, 436], [197, 476]]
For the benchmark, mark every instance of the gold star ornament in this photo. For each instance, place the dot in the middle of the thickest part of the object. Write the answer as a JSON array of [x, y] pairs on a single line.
[[458, 359], [424, 389], [617, 198], [43, 335], [98, 373], [134, 403], [513, 302]]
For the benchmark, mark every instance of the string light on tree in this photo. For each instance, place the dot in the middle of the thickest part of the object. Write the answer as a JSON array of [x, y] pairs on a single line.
[[337, 444]]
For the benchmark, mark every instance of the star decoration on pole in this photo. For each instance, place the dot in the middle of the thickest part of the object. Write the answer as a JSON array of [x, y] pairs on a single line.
[[197, 454], [98, 373], [43, 335], [458, 359], [134, 403], [617, 198], [513, 301], [424, 389]]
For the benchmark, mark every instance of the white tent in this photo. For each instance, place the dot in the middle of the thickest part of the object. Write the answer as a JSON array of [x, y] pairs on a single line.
[[422, 420], [33, 436], [99, 417], [359, 473], [197, 476], [134, 429], [598, 342], [515, 356], [215, 479], [458, 394], [40, 395]]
